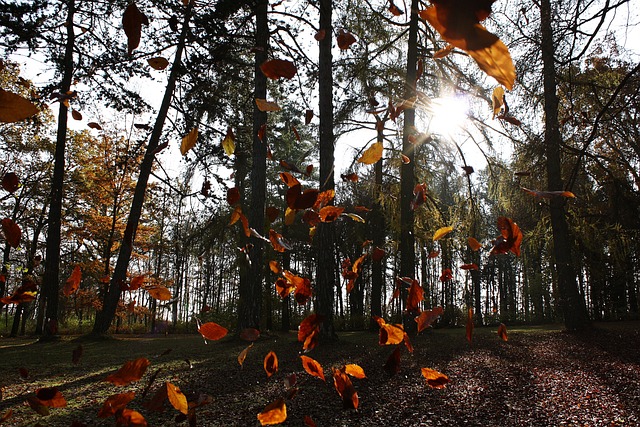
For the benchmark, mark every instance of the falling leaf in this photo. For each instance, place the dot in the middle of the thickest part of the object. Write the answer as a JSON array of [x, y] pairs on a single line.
[[345, 39], [469, 326], [159, 292], [444, 52], [76, 354], [549, 194], [212, 331], [137, 282], [297, 199], [446, 275], [468, 170], [433, 254], [289, 179], [473, 244], [510, 238], [308, 116], [392, 365], [115, 403], [243, 354], [309, 330], [354, 370], [272, 213], [266, 106], [496, 62], [312, 367], [434, 378], [345, 389], [308, 421], [12, 232], [324, 199], [270, 364], [228, 143], [330, 213], [471, 266], [427, 317], [497, 100], [158, 63], [189, 141], [277, 242], [372, 154], [10, 182], [502, 332], [14, 108], [405, 160], [249, 334], [132, 21], [274, 413], [276, 68], [353, 177], [130, 372], [389, 334], [416, 294], [320, 34], [284, 288], [395, 10], [233, 196], [441, 232], [76, 115], [51, 397], [419, 195], [510, 119], [129, 417], [73, 282], [522, 173], [177, 399]]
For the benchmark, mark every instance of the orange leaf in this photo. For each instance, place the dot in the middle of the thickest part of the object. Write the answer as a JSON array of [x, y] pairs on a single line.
[[416, 294], [441, 232], [510, 238], [502, 332], [76, 115], [276, 68], [177, 399], [496, 61], [73, 282], [395, 10], [312, 367], [274, 413], [94, 125], [345, 39], [277, 242], [129, 417], [9, 412], [130, 372], [12, 232], [51, 397], [549, 194], [308, 116], [473, 244], [434, 378], [433, 254], [427, 317], [132, 21], [266, 106], [283, 287], [159, 292], [324, 199], [353, 177], [354, 370], [471, 266], [270, 363], [419, 195], [330, 213], [469, 326], [389, 334], [274, 266], [229, 142], [14, 108], [212, 331], [392, 365], [114, 403], [372, 154], [308, 331], [243, 354], [445, 51], [345, 389], [289, 179], [319, 35], [137, 282]]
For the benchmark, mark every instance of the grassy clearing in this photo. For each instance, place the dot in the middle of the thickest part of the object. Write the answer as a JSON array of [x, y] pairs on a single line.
[[240, 393]]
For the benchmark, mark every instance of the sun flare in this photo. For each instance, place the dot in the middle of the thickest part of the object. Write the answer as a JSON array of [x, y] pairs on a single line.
[[447, 114]]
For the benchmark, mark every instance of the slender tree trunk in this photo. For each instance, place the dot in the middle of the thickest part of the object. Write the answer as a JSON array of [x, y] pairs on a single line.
[[325, 276], [407, 172], [571, 302], [378, 234], [105, 317], [51, 284]]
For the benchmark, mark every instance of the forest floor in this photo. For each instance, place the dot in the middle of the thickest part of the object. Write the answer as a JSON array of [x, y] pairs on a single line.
[[540, 377]]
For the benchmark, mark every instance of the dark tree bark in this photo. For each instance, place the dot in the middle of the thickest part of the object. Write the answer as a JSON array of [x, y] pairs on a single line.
[[51, 285], [378, 234], [407, 170], [325, 276], [571, 302], [105, 317], [250, 299]]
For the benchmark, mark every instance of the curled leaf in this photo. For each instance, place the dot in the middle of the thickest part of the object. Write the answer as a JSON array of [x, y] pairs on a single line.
[[312, 367], [274, 413], [441, 232], [189, 141], [130, 372], [276, 68], [434, 378], [132, 21], [271, 363]]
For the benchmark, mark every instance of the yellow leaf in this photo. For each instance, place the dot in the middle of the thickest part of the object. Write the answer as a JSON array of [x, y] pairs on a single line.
[[274, 413], [243, 354], [228, 143], [264, 105], [159, 292], [158, 63], [289, 216], [14, 108], [354, 370], [177, 399], [189, 141], [372, 154], [441, 232], [356, 218], [497, 100]]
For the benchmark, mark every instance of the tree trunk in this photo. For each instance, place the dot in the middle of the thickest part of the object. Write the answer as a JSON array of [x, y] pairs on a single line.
[[325, 276], [378, 233], [571, 302], [407, 170], [106, 316], [51, 285]]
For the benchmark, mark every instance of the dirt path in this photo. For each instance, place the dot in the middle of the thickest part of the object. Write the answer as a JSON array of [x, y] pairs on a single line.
[[537, 378]]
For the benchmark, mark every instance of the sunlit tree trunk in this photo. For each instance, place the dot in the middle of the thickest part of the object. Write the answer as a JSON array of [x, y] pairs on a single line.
[[105, 317], [50, 285], [378, 234], [571, 302]]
